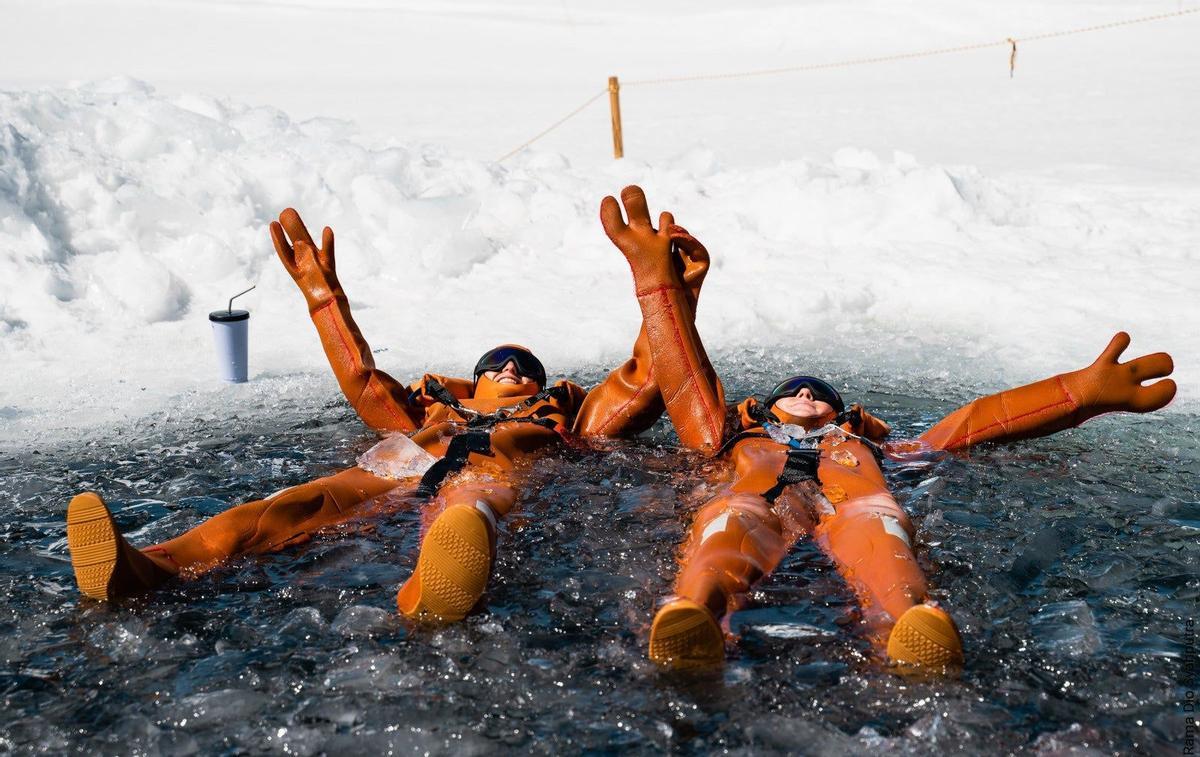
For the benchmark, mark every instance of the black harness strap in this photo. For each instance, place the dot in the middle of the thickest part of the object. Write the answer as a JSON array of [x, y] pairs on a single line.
[[478, 436], [801, 466], [476, 418], [457, 451], [443, 395], [733, 440]]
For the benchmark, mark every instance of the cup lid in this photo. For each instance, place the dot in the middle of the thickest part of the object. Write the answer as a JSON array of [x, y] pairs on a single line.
[[229, 316]]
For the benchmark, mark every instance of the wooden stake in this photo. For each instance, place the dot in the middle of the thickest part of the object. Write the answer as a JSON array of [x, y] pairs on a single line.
[[614, 105]]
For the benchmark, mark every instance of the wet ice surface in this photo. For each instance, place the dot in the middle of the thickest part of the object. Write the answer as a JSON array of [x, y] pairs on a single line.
[[1069, 563]]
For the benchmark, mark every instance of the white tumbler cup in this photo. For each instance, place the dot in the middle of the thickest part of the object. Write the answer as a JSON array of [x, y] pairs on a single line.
[[231, 329]]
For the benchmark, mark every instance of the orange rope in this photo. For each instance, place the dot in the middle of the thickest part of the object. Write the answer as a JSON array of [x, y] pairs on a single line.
[[552, 126], [1009, 41]]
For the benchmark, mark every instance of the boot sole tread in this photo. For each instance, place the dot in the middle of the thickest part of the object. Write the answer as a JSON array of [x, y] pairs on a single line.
[[92, 540], [686, 636], [925, 638], [454, 565]]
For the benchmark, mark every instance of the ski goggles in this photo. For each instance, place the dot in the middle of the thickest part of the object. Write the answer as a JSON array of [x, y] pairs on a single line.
[[820, 391], [527, 364]]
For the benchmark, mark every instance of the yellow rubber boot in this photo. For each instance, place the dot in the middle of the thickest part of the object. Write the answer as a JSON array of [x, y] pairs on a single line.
[[686, 635], [925, 639], [453, 568], [106, 566]]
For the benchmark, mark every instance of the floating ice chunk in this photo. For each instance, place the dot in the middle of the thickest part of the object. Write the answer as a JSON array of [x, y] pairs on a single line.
[[219, 707], [301, 623], [1068, 628], [796, 735], [777, 434], [396, 457], [295, 740], [128, 641], [1075, 740], [790, 630], [361, 620], [372, 673], [325, 709]]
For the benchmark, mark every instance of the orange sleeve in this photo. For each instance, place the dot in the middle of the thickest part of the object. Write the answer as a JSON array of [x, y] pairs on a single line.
[[1028, 411], [627, 402], [690, 388], [381, 401], [1062, 401]]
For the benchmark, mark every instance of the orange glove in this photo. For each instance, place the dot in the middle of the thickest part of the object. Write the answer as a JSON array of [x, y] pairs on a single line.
[[688, 384], [1106, 386], [1060, 402], [312, 269], [647, 249], [379, 400]]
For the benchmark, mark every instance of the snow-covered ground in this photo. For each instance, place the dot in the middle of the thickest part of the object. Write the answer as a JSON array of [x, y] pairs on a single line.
[[934, 217]]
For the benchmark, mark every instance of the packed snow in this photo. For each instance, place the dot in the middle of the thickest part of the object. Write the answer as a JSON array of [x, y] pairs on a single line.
[[933, 218]]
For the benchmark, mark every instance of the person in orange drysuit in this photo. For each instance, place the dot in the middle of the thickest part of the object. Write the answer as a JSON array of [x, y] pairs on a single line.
[[477, 429], [804, 464]]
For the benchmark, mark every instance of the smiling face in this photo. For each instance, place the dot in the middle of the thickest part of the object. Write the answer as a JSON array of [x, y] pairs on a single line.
[[804, 410], [508, 375]]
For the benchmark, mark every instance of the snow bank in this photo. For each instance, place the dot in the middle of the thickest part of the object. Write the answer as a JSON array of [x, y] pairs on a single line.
[[126, 216]]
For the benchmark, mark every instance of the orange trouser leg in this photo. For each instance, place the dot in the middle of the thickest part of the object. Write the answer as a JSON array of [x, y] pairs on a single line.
[[734, 541], [492, 494], [288, 517], [869, 539], [457, 548]]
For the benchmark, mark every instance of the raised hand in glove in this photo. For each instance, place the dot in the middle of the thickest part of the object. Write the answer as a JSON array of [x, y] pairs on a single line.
[[1107, 385], [378, 398], [647, 249], [665, 261], [630, 400], [310, 267]]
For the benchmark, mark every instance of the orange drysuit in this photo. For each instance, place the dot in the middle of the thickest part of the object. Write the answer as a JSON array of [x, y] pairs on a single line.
[[458, 547], [775, 496]]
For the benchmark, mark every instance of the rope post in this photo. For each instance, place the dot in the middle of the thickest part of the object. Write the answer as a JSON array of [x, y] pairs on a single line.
[[614, 105]]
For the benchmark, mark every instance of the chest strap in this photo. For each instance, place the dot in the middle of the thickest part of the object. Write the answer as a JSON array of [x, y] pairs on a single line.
[[733, 440], [801, 466], [477, 440]]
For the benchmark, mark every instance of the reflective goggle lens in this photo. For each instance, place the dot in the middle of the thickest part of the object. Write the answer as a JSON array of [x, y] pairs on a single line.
[[820, 391], [527, 364]]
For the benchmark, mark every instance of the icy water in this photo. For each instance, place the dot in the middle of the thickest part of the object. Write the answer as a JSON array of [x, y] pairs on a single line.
[[1070, 564]]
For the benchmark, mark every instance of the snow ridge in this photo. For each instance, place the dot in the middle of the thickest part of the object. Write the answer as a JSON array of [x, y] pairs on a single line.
[[125, 216]]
